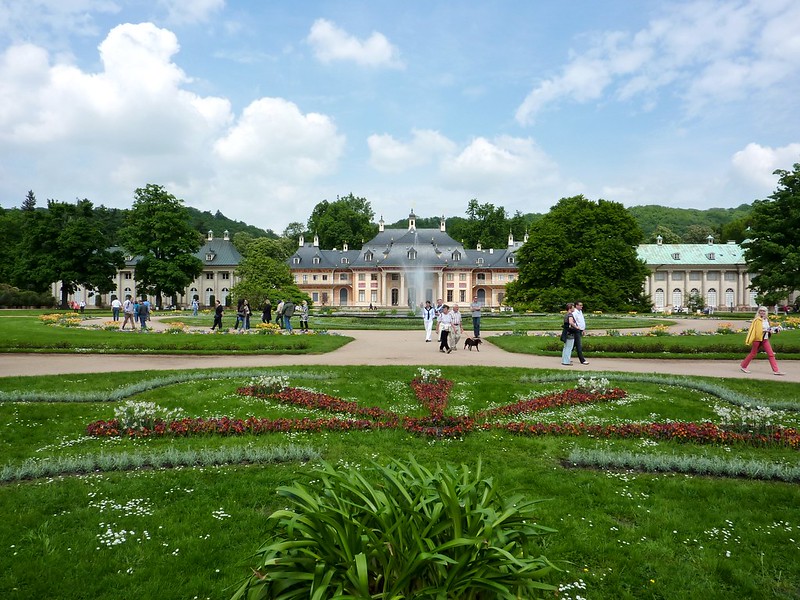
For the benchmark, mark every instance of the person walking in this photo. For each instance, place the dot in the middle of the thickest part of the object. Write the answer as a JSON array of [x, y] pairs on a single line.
[[127, 311], [279, 314], [195, 306], [115, 306], [246, 311], [144, 314], [239, 314], [568, 335], [428, 315], [288, 313], [457, 329], [475, 308], [758, 338], [580, 321], [266, 313], [218, 311], [443, 329], [304, 316]]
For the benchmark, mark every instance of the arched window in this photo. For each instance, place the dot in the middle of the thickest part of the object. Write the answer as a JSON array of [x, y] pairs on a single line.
[[729, 298], [456, 256], [315, 260], [711, 298], [345, 260], [209, 296], [753, 295], [659, 299], [510, 259], [677, 297], [368, 256], [296, 260], [412, 254]]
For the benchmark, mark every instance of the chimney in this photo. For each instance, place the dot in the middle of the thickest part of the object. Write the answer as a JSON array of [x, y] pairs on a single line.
[[210, 235]]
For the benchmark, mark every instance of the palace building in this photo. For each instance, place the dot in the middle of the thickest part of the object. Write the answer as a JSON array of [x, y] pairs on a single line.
[[401, 268]]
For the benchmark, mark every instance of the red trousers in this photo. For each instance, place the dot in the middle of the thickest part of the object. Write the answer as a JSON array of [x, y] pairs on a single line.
[[754, 350]]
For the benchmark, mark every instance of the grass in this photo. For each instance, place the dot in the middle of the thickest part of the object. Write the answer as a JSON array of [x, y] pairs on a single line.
[[622, 532], [489, 322], [27, 334], [728, 347]]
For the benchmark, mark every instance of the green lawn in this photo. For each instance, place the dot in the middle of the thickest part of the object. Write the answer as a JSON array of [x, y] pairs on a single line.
[[727, 347], [188, 532], [28, 334]]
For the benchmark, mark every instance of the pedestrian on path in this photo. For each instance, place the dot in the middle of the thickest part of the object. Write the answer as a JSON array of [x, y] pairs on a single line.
[[758, 338], [568, 335], [218, 316], [443, 328], [581, 328], [475, 309], [428, 315]]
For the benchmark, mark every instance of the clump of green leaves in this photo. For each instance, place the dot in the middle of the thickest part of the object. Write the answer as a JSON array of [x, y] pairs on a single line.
[[417, 533], [141, 416]]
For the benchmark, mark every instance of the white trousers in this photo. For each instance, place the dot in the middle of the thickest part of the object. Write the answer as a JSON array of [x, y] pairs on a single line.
[[428, 329]]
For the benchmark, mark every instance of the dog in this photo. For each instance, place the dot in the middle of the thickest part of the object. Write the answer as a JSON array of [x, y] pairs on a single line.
[[473, 343]]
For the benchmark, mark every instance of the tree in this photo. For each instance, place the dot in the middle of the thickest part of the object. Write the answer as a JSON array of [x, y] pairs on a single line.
[[66, 243], [773, 251], [159, 233], [697, 234], [485, 223], [29, 203], [582, 250], [294, 230], [264, 274], [347, 219], [667, 236]]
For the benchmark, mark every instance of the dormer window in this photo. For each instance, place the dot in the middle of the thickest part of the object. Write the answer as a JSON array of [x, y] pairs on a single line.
[[368, 256], [480, 261], [711, 256], [676, 256], [456, 256], [315, 260], [296, 260], [510, 259], [129, 258], [412, 254], [210, 256], [345, 260]]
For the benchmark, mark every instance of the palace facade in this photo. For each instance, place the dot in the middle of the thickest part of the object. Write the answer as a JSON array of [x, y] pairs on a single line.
[[401, 268]]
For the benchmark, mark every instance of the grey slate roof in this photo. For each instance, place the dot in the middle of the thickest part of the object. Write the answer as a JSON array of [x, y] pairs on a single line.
[[223, 252]]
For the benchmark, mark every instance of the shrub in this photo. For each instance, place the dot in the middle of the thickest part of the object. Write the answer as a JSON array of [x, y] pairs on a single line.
[[417, 533], [133, 416]]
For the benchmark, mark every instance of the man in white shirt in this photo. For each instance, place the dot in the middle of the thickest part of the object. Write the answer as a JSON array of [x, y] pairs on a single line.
[[115, 306], [581, 323]]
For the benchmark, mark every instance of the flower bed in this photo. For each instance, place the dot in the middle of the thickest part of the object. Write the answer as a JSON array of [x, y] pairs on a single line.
[[432, 393]]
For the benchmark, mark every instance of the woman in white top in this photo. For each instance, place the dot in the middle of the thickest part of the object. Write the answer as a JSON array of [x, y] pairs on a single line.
[[444, 327], [757, 338]]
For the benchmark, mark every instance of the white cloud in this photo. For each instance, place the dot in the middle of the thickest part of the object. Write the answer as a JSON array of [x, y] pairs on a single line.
[[330, 43], [388, 155], [756, 163], [705, 49], [180, 12], [106, 133], [275, 139]]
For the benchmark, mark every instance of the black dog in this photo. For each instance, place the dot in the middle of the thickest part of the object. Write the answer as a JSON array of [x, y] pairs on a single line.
[[472, 343]]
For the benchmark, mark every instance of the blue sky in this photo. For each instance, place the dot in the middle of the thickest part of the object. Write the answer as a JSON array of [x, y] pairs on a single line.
[[262, 109]]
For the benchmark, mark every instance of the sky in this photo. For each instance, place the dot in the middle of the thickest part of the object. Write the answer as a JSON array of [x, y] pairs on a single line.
[[262, 109]]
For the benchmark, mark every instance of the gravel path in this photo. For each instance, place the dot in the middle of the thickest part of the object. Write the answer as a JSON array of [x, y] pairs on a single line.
[[392, 348]]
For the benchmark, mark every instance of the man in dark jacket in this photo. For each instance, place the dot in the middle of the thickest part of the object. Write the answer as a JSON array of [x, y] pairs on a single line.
[[217, 316], [288, 311]]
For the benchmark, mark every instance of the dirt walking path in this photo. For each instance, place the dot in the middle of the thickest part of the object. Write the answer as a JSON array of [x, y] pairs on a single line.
[[391, 348]]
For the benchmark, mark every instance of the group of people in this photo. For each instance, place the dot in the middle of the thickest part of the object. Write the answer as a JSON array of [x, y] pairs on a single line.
[[572, 333], [284, 312], [758, 336], [132, 311], [449, 325]]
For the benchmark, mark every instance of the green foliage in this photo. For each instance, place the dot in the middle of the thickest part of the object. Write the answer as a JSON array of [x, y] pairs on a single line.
[[264, 274], [417, 533], [678, 220], [66, 243], [667, 236], [773, 252], [582, 250], [11, 297], [158, 232], [218, 223], [347, 219]]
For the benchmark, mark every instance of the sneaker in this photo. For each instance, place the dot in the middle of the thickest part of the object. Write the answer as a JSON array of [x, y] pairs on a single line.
[[779, 373], [449, 350], [743, 370], [441, 349], [586, 362], [566, 364], [427, 340]]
